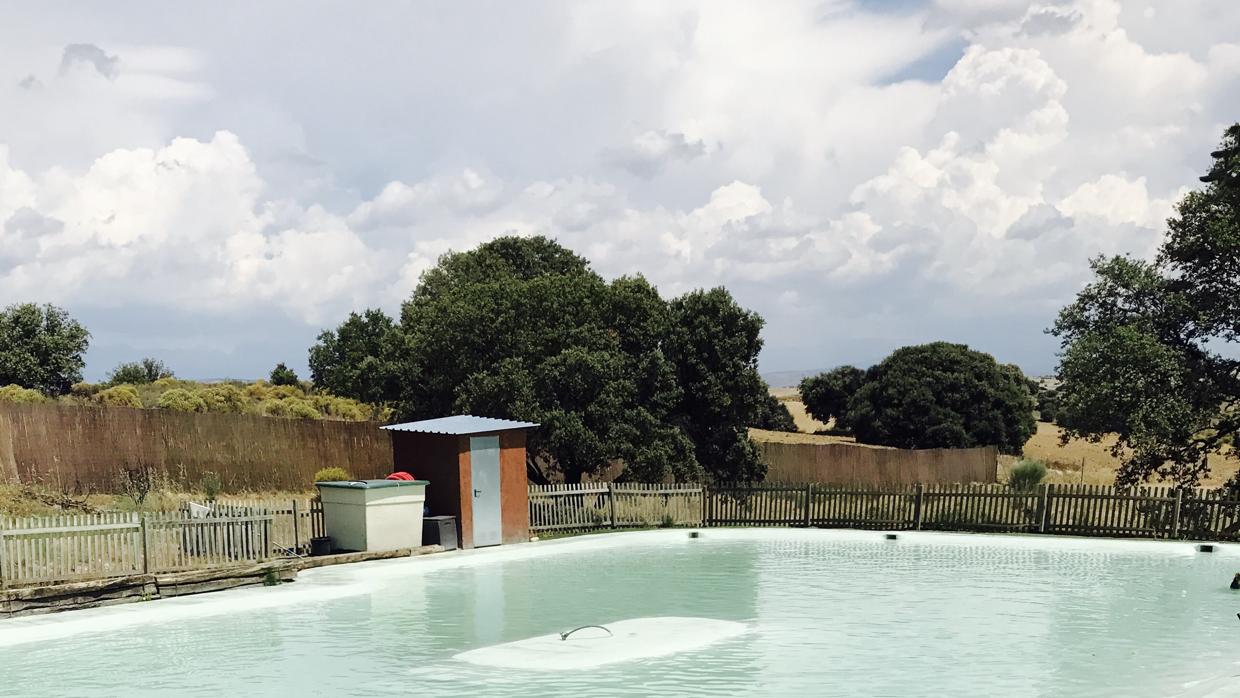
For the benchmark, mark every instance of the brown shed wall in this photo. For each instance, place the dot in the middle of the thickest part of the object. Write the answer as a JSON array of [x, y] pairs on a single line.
[[444, 460], [465, 495], [514, 487], [433, 458]]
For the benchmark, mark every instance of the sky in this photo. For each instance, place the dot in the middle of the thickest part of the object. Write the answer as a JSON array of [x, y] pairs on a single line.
[[213, 184]]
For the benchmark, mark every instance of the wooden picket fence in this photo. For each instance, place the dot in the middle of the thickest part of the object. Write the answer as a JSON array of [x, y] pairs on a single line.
[[613, 505], [227, 535], [294, 521], [45, 549], [1084, 510], [69, 548]]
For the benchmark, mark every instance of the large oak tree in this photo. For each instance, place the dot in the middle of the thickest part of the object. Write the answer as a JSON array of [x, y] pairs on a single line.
[[1150, 347], [41, 347]]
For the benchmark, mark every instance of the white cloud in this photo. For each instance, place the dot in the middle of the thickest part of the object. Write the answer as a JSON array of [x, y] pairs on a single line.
[[652, 151], [770, 149], [186, 225], [1117, 200]]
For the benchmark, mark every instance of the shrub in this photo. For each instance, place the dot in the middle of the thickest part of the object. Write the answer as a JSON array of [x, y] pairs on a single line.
[[147, 370], [341, 408], [120, 396], [223, 398], [211, 486], [84, 390], [283, 375], [293, 407], [333, 474], [300, 409], [1027, 474], [181, 400], [137, 482], [257, 390], [16, 393], [281, 392]]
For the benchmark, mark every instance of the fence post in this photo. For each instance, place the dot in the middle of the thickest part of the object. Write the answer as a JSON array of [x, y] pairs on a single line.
[[267, 522], [296, 532], [705, 496], [142, 535], [918, 490], [611, 503], [708, 505], [1175, 515], [809, 504], [1045, 514]]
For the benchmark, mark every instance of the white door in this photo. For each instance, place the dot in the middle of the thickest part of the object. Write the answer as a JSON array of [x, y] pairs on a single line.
[[484, 471]]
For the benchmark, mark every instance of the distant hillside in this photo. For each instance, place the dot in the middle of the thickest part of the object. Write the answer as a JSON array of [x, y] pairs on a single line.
[[788, 379]]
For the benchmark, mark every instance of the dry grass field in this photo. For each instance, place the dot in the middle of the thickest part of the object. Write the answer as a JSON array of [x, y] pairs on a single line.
[[1092, 464], [1074, 462], [792, 400]]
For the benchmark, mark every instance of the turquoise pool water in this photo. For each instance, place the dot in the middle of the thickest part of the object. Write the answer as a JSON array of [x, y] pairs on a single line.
[[828, 613]]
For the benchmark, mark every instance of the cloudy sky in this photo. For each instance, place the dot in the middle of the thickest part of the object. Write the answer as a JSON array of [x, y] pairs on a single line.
[[213, 183]]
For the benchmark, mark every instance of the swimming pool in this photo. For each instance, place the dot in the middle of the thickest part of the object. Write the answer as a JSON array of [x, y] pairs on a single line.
[[824, 613]]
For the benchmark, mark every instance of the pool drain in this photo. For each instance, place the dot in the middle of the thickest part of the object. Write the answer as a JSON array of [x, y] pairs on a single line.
[[564, 636]]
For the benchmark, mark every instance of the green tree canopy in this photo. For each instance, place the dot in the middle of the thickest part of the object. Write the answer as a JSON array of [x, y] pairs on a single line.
[[942, 395], [1149, 348], [147, 370], [41, 347], [826, 395], [713, 344], [522, 328], [774, 415], [358, 358], [1048, 404], [283, 375]]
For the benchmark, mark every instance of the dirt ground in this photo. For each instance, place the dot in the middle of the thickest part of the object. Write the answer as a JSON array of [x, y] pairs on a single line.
[[1074, 462]]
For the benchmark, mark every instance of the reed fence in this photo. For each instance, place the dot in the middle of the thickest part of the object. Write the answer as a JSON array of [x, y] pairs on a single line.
[[47, 549], [1083, 510]]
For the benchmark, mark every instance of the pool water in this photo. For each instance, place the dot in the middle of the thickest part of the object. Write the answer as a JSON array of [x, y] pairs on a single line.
[[828, 613]]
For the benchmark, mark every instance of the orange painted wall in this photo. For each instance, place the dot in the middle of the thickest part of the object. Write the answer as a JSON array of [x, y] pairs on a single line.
[[466, 493], [514, 488]]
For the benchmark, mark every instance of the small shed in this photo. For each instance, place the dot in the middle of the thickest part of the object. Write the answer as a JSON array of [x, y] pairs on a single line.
[[476, 469]]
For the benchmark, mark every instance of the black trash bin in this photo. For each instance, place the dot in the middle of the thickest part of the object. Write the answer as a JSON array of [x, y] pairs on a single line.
[[321, 545], [439, 530]]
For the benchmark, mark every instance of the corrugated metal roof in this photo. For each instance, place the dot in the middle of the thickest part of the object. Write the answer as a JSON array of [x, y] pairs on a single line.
[[460, 424]]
